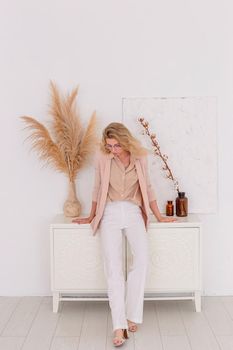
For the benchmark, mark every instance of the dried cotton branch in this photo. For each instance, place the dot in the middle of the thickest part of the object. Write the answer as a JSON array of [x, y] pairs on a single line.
[[157, 152]]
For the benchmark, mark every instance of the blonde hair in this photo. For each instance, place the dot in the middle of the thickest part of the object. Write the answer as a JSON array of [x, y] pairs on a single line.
[[122, 134]]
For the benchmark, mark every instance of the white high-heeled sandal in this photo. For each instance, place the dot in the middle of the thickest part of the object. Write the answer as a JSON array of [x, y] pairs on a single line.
[[122, 339]]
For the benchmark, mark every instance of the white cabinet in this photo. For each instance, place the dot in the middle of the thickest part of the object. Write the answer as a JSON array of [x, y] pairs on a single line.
[[174, 270]]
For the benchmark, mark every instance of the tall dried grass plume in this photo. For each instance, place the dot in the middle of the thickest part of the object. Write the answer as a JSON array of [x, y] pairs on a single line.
[[66, 146]]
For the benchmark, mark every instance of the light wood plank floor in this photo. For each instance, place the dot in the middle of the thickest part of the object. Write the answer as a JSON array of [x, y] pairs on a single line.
[[28, 323]]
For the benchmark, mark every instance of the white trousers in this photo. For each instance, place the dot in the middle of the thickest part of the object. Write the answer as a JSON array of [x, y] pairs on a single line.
[[124, 217]]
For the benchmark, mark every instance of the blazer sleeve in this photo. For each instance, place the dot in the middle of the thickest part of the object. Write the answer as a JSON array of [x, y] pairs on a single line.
[[150, 190], [97, 181]]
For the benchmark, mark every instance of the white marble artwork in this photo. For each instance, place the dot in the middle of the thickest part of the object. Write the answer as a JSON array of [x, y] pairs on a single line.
[[186, 129]]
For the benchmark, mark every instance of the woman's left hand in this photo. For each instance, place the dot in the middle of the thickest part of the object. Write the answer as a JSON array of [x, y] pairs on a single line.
[[166, 219]]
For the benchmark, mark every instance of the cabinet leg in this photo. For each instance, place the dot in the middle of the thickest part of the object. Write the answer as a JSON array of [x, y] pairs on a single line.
[[56, 299], [197, 296]]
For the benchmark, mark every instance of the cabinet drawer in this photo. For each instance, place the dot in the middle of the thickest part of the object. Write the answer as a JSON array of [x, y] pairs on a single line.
[[76, 261], [174, 259]]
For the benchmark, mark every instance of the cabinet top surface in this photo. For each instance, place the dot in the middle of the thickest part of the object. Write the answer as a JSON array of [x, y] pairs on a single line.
[[188, 221]]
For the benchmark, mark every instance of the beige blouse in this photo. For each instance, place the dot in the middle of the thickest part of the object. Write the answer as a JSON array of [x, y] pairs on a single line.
[[123, 182]]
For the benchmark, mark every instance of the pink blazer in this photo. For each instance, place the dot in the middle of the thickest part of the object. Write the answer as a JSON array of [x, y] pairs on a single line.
[[100, 190]]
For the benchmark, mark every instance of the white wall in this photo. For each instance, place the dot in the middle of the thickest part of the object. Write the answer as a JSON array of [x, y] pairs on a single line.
[[113, 49]]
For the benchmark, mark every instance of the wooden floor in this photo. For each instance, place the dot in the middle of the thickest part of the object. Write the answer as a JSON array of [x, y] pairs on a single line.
[[28, 323]]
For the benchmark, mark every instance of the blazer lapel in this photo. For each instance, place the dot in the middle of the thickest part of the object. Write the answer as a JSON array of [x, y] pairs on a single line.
[[106, 176], [142, 184]]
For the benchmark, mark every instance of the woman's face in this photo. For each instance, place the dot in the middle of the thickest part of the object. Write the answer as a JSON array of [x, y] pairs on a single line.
[[114, 146]]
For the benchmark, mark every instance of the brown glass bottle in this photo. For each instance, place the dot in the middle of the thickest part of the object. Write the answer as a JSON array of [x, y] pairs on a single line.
[[181, 204], [169, 208]]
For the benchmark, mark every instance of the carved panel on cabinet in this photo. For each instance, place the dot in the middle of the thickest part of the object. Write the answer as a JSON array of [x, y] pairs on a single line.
[[78, 261], [173, 259]]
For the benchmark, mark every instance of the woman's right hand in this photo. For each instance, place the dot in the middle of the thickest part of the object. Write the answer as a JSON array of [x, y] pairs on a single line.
[[83, 220]]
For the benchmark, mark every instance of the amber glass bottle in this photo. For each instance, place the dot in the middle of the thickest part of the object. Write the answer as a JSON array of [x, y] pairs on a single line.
[[169, 208], [181, 204]]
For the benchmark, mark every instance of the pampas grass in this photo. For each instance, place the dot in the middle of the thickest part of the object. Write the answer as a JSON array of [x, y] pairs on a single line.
[[66, 146]]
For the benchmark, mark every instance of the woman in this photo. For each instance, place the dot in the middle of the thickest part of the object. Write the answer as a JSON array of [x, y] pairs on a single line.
[[121, 201]]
